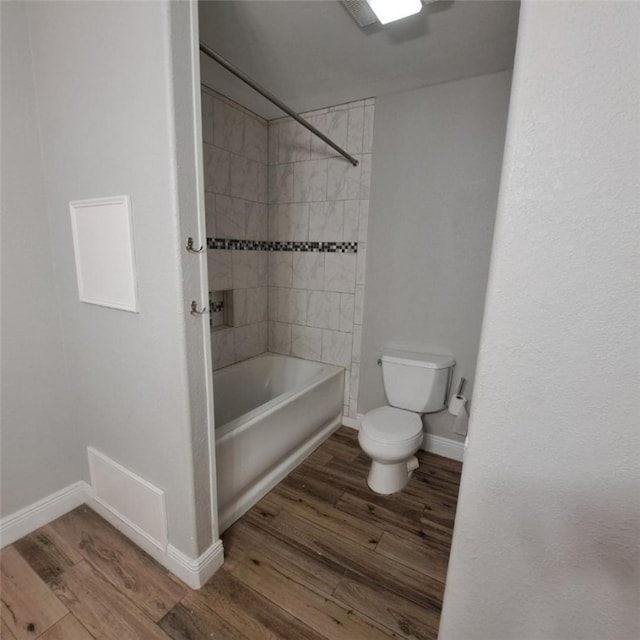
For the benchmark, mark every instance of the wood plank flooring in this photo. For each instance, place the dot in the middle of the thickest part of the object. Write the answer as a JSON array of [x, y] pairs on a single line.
[[320, 557]]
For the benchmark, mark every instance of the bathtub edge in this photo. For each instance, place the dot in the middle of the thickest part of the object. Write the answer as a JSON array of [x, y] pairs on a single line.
[[249, 498]]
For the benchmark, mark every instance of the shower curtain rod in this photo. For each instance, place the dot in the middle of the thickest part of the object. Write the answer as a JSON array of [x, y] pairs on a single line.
[[269, 96]]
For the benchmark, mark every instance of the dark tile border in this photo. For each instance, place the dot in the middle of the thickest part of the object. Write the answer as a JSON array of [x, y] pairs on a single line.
[[269, 245]]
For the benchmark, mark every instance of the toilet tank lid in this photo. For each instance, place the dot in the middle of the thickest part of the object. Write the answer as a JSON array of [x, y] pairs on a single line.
[[413, 359]]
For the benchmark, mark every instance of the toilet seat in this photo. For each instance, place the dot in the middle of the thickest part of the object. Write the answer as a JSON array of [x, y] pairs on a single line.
[[390, 426]]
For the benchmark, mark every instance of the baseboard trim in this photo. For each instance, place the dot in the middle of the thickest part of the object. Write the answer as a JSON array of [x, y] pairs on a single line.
[[193, 572], [444, 447], [351, 423], [36, 515]]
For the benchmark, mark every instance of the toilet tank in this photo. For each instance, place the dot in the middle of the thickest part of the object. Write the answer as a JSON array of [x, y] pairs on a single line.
[[416, 381]]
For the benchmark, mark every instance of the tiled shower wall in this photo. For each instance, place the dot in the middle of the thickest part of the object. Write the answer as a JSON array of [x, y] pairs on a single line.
[[315, 196], [312, 236], [236, 192]]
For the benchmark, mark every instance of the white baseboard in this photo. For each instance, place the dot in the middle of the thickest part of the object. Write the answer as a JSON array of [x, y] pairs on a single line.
[[352, 423], [27, 520], [194, 572], [444, 447]]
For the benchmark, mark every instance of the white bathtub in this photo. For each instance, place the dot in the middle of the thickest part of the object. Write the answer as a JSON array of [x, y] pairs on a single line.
[[271, 411]]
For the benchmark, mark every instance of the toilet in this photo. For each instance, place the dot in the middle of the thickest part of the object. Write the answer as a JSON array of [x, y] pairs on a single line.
[[415, 383]]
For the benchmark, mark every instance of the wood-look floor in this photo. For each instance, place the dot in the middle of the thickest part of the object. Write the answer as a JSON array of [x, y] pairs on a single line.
[[320, 557]]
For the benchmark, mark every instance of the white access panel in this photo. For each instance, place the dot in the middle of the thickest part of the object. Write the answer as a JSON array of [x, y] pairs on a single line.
[[136, 502], [103, 247]]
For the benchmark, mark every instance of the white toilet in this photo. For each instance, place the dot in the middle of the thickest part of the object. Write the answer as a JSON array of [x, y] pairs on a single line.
[[414, 383]]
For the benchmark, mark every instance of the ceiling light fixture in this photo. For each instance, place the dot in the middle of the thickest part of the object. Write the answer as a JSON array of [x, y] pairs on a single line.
[[391, 10]]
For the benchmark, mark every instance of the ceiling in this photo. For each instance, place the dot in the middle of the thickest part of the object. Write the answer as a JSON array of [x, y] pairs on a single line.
[[312, 54]]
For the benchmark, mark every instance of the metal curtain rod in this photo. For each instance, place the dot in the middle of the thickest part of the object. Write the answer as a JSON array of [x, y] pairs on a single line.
[[269, 96]]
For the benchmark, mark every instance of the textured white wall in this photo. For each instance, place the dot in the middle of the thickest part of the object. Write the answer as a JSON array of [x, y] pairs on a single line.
[[103, 78], [433, 201], [37, 426], [546, 537]]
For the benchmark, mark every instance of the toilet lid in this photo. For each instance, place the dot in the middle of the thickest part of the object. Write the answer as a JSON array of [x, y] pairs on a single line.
[[389, 425]]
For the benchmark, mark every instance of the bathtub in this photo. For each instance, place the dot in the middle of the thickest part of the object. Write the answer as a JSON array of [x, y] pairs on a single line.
[[270, 412]]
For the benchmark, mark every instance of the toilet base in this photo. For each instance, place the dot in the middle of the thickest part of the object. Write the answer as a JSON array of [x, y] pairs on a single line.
[[385, 478]]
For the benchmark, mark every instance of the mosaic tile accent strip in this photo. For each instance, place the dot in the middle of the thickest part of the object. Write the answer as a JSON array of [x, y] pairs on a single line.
[[272, 245], [216, 307]]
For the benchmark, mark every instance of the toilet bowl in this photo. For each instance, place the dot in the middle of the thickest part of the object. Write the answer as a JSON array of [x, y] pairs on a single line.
[[390, 437], [414, 383]]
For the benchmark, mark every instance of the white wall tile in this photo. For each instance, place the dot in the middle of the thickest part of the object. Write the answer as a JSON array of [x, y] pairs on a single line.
[[326, 221], [272, 303], [336, 348], [257, 221], [354, 382], [263, 336], [365, 176], [228, 126], [263, 183], [310, 181], [337, 126], [293, 222], [281, 183], [244, 266], [306, 342], [246, 342], [273, 221], [255, 139], [308, 270], [319, 149], [237, 313], [280, 269], [347, 302], [357, 343], [359, 304], [207, 117], [362, 262], [343, 180], [263, 268], [222, 349], [340, 272], [274, 131], [367, 140], [280, 337], [363, 225], [351, 221], [347, 387], [220, 271], [210, 214], [304, 288], [243, 178], [257, 305], [323, 309], [292, 305], [294, 142], [355, 130], [217, 167], [230, 218]]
